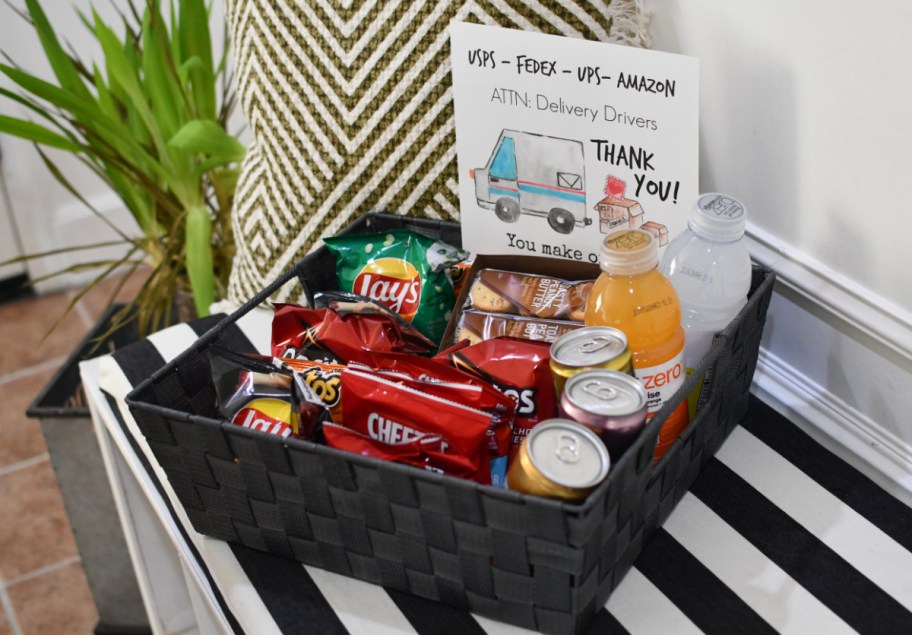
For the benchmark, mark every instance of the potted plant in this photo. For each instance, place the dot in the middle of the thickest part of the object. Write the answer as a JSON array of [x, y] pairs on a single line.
[[150, 119]]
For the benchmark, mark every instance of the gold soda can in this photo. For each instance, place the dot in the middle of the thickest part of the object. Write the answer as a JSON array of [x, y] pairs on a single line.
[[587, 348], [559, 458]]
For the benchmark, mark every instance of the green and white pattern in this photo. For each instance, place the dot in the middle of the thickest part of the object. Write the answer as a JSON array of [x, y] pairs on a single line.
[[351, 110]]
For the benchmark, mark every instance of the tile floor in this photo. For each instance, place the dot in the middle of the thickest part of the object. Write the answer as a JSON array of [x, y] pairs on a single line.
[[43, 588]]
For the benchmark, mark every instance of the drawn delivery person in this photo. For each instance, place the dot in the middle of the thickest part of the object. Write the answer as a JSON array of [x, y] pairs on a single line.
[[535, 174]]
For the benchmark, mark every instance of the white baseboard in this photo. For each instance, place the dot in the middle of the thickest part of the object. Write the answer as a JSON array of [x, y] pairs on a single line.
[[845, 431], [868, 337], [845, 300]]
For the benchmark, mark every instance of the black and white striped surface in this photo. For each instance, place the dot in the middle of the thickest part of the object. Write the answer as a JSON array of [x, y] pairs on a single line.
[[777, 534]]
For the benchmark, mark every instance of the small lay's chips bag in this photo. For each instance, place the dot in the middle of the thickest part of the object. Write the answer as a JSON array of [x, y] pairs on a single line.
[[404, 270], [255, 393]]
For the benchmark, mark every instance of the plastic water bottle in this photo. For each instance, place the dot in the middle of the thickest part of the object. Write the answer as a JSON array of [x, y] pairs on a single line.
[[632, 295], [710, 268]]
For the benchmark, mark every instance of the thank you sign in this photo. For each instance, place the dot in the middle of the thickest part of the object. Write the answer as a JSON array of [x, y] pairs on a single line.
[[561, 141]]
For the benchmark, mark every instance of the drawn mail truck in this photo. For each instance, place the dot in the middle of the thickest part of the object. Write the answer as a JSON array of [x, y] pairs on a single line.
[[535, 174]]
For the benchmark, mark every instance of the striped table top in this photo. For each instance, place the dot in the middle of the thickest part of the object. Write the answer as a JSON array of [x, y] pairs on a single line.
[[777, 534]]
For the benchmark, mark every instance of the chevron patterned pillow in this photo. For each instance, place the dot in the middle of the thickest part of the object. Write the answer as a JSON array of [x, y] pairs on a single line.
[[350, 107]]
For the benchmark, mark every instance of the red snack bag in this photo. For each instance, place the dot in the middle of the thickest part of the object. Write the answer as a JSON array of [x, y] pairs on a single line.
[[338, 338], [521, 369], [322, 378], [393, 413], [440, 379], [426, 455]]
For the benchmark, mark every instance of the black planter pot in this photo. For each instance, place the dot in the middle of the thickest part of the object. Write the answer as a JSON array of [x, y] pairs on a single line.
[[76, 458]]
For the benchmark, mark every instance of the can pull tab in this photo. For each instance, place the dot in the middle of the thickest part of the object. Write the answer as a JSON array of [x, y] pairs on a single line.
[[567, 450], [599, 391], [594, 345]]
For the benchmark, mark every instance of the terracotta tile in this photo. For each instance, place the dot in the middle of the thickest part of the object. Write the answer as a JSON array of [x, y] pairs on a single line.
[[58, 601], [34, 530], [97, 298], [23, 324], [21, 437]]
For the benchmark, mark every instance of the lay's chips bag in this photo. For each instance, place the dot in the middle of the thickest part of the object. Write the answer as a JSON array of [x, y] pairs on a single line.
[[404, 270]]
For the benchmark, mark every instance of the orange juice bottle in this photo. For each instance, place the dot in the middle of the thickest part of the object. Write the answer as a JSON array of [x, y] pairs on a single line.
[[632, 295]]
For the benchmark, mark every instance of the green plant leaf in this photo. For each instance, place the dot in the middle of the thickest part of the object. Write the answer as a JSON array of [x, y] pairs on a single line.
[[199, 258], [137, 122], [84, 19], [124, 72], [32, 105], [135, 196], [189, 64], [90, 265], [56, 96], [62, 65], [36, 133], [209, 138], [168, 100], [87, 114], [159, 82], [105, 99], [134, 12], [175, 32], [195, 40]]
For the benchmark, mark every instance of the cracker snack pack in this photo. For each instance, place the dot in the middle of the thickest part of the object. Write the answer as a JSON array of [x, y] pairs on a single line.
[[404, 270], [478, 326], [529, 295]]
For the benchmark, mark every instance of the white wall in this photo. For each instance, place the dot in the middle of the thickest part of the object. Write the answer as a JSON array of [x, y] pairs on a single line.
[[805, 117], [9, 239]]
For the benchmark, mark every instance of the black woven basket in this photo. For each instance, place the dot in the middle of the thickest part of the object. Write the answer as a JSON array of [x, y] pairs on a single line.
[[537, 563]]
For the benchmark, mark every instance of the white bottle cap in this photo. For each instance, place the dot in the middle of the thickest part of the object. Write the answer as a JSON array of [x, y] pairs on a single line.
[[628, 252], [718, 217]]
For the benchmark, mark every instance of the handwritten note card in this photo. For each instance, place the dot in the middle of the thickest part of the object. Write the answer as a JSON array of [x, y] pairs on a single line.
[[560, 141]]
